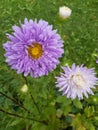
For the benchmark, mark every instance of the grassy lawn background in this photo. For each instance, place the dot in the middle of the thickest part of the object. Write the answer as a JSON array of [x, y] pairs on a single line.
[[79, 32]]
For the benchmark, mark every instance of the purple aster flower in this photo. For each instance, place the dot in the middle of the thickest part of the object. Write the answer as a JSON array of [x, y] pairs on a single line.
[[34, 48], [76, 81]]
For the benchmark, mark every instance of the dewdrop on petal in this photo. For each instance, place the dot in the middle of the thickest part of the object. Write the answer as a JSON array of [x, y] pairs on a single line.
[[64, 12], [24, 88]]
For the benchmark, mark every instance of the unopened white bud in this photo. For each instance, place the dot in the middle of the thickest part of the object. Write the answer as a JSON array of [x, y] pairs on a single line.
[[64, 12], [24, 88]]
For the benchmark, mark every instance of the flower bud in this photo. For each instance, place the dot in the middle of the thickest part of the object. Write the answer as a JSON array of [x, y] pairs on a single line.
[[24, 88], [64, 12]]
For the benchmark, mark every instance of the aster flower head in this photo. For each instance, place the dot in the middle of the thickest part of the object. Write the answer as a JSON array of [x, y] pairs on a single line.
[[33, 48], [77, 81]]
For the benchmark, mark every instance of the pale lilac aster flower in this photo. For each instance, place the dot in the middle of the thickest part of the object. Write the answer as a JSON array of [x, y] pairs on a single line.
[[77, 81], [34, 48]]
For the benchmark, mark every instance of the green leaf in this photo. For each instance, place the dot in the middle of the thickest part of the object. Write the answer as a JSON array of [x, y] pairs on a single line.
[[76, 122], [77, 103], [89, 111], [93, 99], [38, 126], [96, 120], [89, 125], [66, 109], [59, 113], [13, 123], [81, 128], [64, 100]]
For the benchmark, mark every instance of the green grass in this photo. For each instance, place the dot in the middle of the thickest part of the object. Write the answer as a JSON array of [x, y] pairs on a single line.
[[79, 32]]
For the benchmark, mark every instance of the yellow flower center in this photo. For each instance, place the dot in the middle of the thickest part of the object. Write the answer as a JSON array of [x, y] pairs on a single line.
[[78, 79], [35, 51]]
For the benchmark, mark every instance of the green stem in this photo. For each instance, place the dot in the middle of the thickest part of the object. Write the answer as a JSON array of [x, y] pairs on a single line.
[[19, 116], [35, 104], [26, 82], [15, 101]]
